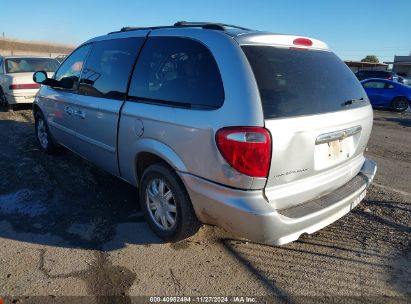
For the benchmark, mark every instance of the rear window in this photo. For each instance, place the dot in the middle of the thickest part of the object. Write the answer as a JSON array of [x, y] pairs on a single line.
[[302, 82], [27, 65]]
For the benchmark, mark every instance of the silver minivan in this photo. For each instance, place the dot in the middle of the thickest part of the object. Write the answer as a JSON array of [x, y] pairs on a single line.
[[261, 134]]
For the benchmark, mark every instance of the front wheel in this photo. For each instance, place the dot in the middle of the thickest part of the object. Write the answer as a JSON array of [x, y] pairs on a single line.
[[3, 101], [43, 135], [166, 204], [400, 104]]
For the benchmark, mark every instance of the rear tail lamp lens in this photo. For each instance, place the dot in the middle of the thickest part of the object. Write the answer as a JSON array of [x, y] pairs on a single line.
[[246, 149], [24, 86]]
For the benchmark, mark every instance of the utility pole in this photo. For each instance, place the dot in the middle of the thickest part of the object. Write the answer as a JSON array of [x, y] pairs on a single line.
[[4, 42]]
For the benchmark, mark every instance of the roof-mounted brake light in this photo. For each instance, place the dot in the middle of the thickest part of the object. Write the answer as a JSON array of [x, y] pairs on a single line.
[[303, 42]]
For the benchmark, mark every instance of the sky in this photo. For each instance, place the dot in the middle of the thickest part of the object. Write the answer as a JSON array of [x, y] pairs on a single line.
[[352, 28]]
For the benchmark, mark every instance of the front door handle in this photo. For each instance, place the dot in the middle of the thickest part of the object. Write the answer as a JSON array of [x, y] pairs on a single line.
[[69, 110], [80, 114]]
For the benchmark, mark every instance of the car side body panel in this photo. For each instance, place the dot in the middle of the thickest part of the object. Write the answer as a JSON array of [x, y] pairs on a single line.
[[96, 122], [54, 103]]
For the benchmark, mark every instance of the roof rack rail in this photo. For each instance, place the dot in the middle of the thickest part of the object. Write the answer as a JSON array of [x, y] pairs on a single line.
[[130, 28], [204, 25], [209, 25]]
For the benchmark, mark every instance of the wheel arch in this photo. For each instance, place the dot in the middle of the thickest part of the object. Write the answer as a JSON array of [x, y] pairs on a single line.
[[150, 152], [399, 97], [36, 109]]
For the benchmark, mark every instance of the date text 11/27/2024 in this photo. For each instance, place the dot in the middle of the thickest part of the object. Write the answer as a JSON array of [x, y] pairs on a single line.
[[199, 299]]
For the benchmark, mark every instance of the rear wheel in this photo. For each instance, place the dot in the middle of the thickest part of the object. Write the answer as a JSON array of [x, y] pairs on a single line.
[[400, 104], [166, 204], [43, 135]]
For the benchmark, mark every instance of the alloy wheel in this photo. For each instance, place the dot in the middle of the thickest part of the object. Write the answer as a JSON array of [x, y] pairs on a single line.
[[42, 133], [161, 204]]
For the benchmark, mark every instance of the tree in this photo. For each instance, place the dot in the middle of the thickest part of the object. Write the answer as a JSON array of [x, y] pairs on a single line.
[[370, 58]]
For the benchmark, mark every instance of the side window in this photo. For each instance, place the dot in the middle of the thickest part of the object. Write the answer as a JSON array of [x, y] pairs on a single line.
[[177, 71], [69, 72], [108, 67], [1, 67], [374, 85]]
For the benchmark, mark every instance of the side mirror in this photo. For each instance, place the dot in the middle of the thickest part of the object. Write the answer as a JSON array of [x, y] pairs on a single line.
[[67, 82], [40, 77]]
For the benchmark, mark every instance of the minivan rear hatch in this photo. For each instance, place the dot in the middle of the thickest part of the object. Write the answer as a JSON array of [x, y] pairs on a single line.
[[319, 118]]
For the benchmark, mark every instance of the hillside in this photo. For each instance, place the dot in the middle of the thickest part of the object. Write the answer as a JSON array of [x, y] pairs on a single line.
[[14, 47]]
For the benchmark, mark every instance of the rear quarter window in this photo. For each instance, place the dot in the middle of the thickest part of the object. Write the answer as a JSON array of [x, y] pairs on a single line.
[[302, 82], [178, 72]]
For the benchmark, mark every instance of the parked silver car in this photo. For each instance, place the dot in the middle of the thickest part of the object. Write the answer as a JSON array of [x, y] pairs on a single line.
[[261, 134]]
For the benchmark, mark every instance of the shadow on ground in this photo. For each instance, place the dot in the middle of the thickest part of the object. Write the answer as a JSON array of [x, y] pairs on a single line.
[[62, 200], [405, 122], [352, 256]]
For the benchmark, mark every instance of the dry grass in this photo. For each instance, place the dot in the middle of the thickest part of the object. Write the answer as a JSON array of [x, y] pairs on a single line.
[[38, 47]]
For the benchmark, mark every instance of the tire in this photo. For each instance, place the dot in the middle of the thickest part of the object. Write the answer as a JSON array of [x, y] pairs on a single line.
[[170, 201], [43, 136], [3, 101], [400, 104]]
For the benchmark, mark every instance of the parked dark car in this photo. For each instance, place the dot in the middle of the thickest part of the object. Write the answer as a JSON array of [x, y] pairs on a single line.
[[387, 93], [361, 75], [403, 80]]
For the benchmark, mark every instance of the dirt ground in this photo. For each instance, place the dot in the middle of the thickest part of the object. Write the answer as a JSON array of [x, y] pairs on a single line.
[[70, 229]]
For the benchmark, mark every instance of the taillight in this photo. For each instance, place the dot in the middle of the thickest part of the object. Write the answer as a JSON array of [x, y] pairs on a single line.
[[303, 41], [24, 86], [246, 149]]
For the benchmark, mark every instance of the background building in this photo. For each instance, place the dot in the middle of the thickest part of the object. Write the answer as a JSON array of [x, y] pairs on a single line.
[[402, 65], [356, 66]]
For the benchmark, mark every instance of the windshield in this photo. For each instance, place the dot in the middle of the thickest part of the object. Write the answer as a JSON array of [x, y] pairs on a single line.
[[25, 65], [303, 82]]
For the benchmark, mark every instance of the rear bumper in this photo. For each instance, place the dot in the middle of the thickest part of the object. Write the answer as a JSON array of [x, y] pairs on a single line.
[[248, 213], [20, 98]]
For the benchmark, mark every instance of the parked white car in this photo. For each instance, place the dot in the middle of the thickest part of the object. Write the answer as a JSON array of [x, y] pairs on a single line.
[[16, 78]]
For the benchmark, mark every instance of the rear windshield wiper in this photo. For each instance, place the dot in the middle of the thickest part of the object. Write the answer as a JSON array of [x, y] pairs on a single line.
[[352, 101]]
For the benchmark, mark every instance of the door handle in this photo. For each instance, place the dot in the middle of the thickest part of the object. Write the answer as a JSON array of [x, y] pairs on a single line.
[[69, 110], [80, 114]]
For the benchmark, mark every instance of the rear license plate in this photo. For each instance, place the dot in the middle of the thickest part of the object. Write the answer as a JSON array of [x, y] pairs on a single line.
[[335, 150]]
